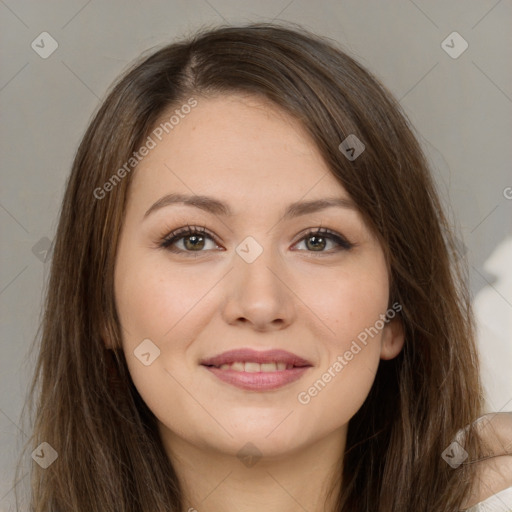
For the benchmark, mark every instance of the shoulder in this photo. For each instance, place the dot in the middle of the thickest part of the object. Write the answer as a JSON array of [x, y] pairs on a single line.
[[493, 472]]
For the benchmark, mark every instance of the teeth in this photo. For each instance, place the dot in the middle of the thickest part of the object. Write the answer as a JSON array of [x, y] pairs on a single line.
[[252, 367]]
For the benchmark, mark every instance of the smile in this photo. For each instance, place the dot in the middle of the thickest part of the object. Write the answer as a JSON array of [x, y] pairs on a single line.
[[253, 370]]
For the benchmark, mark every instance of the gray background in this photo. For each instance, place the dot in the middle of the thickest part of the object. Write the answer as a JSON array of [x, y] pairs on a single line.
[[460, 107]]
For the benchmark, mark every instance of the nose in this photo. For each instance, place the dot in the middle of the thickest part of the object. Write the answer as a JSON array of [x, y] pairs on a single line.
[[259, 295]]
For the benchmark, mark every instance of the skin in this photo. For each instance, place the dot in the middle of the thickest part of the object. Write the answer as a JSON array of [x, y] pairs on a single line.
[[245, 152]]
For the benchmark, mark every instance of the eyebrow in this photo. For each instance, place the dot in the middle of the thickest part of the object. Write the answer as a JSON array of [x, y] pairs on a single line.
[[217, 207]]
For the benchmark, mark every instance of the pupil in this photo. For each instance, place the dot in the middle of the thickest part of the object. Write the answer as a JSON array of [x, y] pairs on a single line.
[[194, 239], [316, 241]]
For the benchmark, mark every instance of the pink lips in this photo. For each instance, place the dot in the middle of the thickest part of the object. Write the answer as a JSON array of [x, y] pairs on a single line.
[[257, 381]]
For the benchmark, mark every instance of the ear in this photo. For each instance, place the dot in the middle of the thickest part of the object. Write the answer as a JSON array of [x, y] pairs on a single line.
[[392, 339]]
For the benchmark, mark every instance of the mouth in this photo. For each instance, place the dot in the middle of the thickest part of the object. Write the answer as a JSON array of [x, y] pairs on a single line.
[[253, 367], [257, 370]]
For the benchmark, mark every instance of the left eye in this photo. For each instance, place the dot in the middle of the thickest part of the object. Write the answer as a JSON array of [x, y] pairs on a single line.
[[317, 241]]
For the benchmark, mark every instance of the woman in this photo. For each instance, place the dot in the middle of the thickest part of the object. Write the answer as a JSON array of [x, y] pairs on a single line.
[[255, 300]]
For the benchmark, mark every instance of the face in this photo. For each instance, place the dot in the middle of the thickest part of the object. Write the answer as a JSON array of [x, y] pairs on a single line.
[[255, 315]]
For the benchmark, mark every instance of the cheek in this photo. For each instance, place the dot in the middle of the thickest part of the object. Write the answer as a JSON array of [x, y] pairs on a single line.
[[338, 391], [168, 305], [162, 306], [152, 300], [351, 302], [351, 306]]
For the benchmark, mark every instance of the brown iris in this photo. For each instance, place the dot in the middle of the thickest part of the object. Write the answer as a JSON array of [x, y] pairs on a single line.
[[318, 242]]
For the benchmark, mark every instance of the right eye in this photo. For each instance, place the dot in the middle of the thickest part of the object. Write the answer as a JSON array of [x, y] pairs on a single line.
[[193, 240]]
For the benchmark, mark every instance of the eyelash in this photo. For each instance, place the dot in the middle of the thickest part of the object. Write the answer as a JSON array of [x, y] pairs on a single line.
[[180, 233]]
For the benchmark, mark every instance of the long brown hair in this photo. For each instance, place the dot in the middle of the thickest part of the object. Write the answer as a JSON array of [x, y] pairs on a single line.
[[110, 457]]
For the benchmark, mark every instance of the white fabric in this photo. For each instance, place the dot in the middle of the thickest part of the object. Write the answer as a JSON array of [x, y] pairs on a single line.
[[500, 502]]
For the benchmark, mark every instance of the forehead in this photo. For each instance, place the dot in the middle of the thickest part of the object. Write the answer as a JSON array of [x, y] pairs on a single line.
[[236, 146]]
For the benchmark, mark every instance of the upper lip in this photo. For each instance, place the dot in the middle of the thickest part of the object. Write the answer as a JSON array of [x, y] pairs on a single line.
[[256, 356]]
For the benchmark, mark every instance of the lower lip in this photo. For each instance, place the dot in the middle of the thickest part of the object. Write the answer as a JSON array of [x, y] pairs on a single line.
[[259, 381]]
